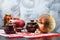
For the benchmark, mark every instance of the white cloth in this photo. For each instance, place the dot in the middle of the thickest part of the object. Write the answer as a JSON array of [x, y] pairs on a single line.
[[30, 9]]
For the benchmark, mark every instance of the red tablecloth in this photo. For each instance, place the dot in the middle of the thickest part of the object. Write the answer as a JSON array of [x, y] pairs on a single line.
[[28, 36]]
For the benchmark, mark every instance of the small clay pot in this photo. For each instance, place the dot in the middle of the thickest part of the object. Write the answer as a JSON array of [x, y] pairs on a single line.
[[19, 29], [31, 26], [10, 28]]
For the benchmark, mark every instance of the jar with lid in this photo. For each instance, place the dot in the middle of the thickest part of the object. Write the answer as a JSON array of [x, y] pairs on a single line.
[[10, 28], [31, 26]]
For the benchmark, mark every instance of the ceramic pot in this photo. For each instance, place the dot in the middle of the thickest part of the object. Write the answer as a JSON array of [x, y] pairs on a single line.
[[10, 28], [31, 26]]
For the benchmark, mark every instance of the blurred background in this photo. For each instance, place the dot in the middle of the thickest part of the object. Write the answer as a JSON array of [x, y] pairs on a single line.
[[30, 9]]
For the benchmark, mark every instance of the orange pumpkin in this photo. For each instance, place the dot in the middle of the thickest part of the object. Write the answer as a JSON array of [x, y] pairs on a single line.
[[46, 23]]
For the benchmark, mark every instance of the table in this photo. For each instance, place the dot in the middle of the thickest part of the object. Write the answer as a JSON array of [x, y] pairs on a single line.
[[28, 36]]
